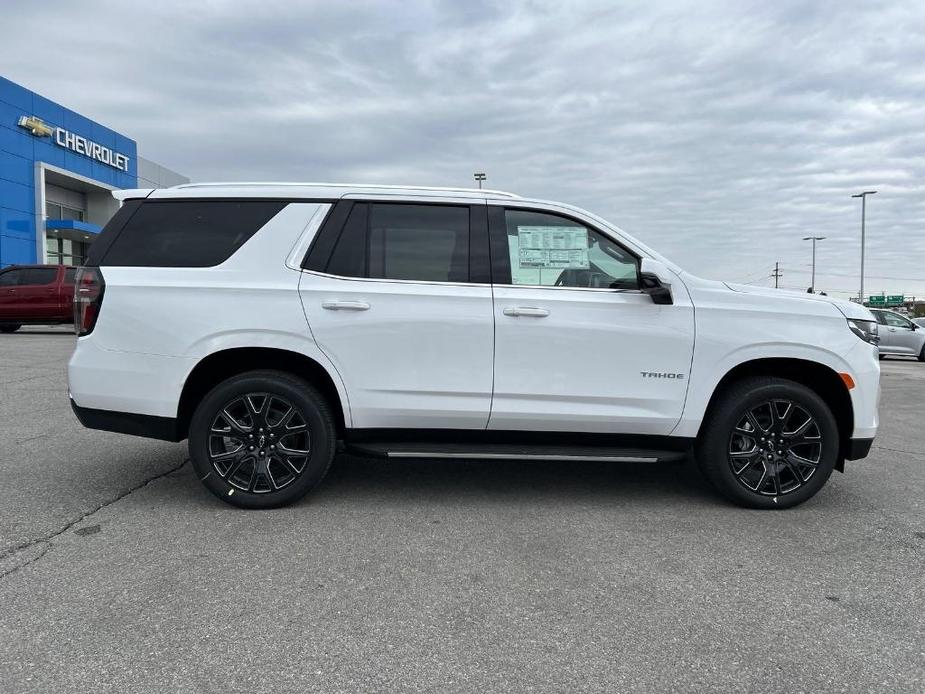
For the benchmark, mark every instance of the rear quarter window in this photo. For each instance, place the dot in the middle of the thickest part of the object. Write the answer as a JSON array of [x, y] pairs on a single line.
[[189, 233]]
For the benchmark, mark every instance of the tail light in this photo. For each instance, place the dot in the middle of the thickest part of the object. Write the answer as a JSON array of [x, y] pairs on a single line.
[[88, 297]]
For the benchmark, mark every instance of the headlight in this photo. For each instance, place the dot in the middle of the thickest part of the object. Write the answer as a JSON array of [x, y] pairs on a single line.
[[865, 329]]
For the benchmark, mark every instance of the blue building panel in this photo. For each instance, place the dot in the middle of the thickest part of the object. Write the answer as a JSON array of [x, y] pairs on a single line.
[[16, 224], [47, 110], [12, 93], [20, 150], [16, 196], [17, 169], [47, 151], [20, 251], [9, 114], [17, 142]]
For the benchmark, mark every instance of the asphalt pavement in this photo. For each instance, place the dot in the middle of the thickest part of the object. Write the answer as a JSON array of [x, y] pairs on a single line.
[[120, 573]]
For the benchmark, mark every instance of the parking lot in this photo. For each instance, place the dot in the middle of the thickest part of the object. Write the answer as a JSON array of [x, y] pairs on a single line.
[[119, 572]]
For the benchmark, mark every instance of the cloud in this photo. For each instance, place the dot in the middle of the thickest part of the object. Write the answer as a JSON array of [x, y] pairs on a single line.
[[719, 133]]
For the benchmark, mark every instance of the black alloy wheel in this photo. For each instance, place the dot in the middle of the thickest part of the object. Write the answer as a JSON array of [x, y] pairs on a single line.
[[768, 443], [259, 443], [262, 439], [775, 448]]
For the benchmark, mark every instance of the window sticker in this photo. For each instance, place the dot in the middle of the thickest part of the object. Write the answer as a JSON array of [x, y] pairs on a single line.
[[554, 248]]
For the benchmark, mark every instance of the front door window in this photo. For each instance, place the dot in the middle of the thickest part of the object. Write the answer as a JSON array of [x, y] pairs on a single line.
[[546, 250]]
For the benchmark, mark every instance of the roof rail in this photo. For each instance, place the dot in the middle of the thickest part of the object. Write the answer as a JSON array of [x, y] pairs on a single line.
[[376, 186]]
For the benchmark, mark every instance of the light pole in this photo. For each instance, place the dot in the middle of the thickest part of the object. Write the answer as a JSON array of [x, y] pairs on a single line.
[[863, 197], [479, 177], [812, 284]]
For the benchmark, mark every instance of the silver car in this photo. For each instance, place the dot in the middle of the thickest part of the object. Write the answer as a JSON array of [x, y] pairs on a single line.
[[899, 336], [919, 322]]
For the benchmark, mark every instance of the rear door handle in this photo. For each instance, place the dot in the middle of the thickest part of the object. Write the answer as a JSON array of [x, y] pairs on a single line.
[[526, 311], [345, 305]]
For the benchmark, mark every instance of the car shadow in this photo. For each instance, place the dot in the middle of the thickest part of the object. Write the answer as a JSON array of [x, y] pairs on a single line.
[[511, 480]]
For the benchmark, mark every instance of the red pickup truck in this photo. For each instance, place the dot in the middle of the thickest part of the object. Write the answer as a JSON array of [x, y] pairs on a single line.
[[36, 294]]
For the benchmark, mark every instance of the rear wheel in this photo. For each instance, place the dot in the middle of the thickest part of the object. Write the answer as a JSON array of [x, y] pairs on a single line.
[[10, 327], [262, 439], [768, 443], [922, 354]]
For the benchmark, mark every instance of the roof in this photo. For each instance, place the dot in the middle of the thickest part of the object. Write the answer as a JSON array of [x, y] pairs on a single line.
[[304, 190]]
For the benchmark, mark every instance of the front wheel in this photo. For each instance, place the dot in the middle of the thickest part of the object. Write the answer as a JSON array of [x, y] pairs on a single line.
[[768, 443], [262, 439], [10, 327]]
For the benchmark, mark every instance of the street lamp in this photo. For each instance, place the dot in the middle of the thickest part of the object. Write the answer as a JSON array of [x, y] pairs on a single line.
[[812, 284], [479, 177], [863, 197]]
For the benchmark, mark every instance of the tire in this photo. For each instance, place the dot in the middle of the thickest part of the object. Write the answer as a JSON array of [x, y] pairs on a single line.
[[10, 327], [724, 448], [922, 354], [237, 459]]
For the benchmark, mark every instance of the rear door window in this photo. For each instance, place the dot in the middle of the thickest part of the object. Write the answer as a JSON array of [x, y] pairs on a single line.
[[419, 242], [38, 275], [402, 241], [188, 233]]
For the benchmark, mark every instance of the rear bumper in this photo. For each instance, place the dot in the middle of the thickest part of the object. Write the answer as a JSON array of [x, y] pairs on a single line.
[[149, 426], [858, 448]]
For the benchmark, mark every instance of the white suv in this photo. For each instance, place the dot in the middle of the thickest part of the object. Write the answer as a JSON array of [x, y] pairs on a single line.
[[272, 323]]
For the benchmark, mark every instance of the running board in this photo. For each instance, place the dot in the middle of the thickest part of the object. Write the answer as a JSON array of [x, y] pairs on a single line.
[[443, 451]]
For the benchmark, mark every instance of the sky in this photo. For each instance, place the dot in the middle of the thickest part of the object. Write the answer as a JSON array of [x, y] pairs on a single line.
[[719, 133]]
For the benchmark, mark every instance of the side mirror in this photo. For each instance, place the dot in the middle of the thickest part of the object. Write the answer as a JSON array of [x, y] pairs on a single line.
[[655, 280]]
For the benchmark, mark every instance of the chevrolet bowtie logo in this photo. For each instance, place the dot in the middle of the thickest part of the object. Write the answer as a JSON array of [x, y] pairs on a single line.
[[36, 126]]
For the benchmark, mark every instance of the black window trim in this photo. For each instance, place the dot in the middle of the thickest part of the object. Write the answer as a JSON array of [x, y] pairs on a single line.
[[322, 246], [501, 259]]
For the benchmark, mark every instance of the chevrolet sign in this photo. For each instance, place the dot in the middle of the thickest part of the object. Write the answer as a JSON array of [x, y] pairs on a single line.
[[75, 143], [35, 125]]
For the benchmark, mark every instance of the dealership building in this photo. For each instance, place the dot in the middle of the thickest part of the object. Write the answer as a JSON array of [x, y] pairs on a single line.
[[57, 171]]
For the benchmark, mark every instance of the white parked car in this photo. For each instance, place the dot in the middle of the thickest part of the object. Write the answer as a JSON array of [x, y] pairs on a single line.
[[271, 323]]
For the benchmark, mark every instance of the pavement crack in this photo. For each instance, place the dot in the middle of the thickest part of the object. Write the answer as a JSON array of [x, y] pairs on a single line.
[[899, 450], [44, 543]]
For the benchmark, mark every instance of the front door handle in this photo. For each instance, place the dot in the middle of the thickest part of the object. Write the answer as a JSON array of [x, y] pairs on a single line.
[[526, 311], [345, 305]]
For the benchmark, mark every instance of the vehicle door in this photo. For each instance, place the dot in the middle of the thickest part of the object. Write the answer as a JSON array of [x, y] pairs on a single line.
[[38, 293], [397, 296], [9, 298], [903, 337], [578, 345]]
